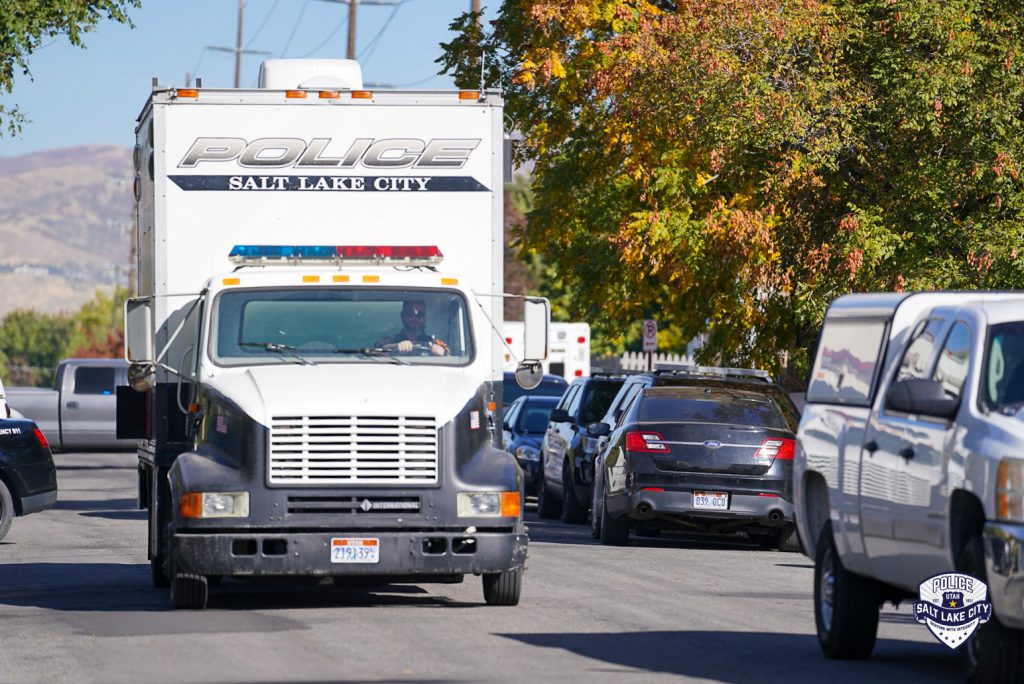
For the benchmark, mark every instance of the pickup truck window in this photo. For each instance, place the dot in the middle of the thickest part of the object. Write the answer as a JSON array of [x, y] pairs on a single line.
[[844, 369], [93, 380], [954, 359], [917, 357], [1004, 368]]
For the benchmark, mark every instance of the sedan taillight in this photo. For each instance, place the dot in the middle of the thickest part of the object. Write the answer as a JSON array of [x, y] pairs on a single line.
[[41, 438], [774, 447], [646, 442]]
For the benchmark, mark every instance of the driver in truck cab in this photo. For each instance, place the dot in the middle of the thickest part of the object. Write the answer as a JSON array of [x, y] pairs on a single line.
[[414, 331]]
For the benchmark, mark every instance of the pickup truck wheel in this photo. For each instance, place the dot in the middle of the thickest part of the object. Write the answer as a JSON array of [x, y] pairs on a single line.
[[572, 512], [845, 604], [189, 591], [547, 505], [157, 574], [503, 588], [614, 531], [6, 509], [994, 653]]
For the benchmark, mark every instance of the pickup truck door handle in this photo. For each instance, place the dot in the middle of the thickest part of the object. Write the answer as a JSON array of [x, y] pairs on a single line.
[[871, 447], [72, 404], [907, 452]]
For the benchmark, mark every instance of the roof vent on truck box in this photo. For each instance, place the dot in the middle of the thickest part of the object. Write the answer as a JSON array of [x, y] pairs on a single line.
[[311, 74]]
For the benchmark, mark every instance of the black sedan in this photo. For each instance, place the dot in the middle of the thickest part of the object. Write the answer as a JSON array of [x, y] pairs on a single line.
[[524, 425], [28, 477], [712, 457]]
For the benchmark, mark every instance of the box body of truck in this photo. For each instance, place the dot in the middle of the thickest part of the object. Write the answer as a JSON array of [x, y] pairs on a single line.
[[284, 237]]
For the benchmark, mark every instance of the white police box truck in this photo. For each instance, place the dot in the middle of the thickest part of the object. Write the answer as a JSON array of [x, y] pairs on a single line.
[[315, 345]]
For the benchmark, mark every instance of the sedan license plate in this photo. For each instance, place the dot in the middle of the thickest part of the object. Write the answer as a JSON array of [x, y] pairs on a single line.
[[712, 501], [355, 550]]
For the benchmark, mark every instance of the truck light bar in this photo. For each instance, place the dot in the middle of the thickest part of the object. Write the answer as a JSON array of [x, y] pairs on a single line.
[[405, 255]]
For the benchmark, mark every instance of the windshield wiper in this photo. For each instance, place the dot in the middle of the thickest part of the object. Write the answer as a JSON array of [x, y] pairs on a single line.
[[372, 353], [283, 349]]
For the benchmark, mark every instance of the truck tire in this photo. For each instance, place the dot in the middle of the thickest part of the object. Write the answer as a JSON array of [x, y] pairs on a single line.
[[614, 531], [189, 591], [595, 509], [572, 512], [548, 507], [157, 574], [994, 653], [6, 509], [503, 588], [845, 605], [783, 539]]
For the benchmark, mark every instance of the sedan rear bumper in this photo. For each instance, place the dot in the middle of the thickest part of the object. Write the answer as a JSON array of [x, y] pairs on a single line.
[[650, 503]]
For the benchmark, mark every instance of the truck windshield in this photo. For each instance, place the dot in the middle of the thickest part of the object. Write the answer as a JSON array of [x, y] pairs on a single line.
[[349, 325], [1004, 370]]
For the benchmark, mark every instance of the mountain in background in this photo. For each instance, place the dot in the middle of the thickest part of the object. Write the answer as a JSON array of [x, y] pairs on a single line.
[[66, 220]]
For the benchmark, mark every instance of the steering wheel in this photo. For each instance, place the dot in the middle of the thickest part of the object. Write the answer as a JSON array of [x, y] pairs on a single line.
[[418, 349]]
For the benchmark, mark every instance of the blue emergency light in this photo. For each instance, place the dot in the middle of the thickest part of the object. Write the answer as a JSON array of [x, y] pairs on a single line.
[[408, 255]]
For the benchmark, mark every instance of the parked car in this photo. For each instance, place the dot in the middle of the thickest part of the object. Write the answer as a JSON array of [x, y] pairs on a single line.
[[80, 410], [910, 464], [522, 430], [567, 452], [28, 477], [550, 386], [704, 449]]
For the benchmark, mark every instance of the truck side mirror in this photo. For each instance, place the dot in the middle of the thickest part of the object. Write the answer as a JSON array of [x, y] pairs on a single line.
[[138, 327], [536, 316], [921, 396]]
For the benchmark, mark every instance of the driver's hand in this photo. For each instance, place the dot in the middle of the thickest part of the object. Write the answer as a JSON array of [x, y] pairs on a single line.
[[404, 346], [438, 350]]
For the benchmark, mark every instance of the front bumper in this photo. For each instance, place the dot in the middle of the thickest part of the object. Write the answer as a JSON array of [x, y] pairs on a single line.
[[1004, 565], [308, 553], [648, 504]]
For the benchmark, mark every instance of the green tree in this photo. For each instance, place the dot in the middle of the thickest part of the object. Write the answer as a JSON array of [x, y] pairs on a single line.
[[730, 166], [33, 344], [25, 24]]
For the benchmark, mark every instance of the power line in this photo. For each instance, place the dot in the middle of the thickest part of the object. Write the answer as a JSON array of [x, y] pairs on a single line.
[[263, 25], [372, 45], [326, 40], [295, 28]]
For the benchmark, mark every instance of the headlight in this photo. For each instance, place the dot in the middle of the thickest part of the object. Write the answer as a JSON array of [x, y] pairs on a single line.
[[214, 505], [488, 504], [528, 453], [1010, 490]]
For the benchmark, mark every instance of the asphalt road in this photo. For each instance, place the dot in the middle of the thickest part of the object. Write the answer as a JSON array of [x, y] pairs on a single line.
[[76, 605]]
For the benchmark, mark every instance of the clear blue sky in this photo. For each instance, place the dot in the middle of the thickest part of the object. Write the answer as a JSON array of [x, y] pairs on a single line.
[[92, 96]]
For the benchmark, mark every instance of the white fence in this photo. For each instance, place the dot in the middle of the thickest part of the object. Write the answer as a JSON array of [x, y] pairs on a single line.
[[637, 361]]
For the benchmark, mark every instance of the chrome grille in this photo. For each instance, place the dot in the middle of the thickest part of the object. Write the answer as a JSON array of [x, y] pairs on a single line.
[[327, 450]]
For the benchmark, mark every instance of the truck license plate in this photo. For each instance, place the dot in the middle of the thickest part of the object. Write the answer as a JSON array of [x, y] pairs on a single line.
[[714, 501], [355, 550]]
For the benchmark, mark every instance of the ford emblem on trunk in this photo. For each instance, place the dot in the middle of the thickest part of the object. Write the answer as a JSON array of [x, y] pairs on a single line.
[[712, 444]]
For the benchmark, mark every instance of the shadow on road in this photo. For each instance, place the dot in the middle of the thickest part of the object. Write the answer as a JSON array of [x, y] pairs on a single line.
[[727, 656], [96, 505], [113, 587]]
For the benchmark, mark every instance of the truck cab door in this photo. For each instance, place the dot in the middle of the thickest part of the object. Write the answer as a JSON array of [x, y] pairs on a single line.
[[902, 457], [88, 405]]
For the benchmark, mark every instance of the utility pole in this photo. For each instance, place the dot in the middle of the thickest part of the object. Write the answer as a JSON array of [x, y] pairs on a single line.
[[475, 5], [238, 49], [353, 16]]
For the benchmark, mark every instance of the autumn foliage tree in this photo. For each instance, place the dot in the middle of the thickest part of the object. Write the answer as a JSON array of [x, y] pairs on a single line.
[[730, 166]]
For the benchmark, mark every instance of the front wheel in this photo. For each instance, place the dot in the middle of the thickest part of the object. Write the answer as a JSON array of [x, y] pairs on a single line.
[[994, 653], [845, 605], [503, 588], [6, 509], [189, 591], [614, 531], [547, 505]]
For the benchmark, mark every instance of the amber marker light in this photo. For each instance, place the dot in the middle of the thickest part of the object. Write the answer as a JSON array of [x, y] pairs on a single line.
[[295, 94], [469, 94], [371, 279], [329, 94], [511, 506], [449, 281], [310, 279], [232, 281], [191, 505], [362, 94], [340, 278], [188, 92]]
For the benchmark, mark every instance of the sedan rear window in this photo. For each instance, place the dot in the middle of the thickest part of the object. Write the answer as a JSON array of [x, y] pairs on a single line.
[[730, 409]]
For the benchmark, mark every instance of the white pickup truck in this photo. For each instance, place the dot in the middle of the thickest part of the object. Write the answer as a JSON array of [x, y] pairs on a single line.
[[910, 463]]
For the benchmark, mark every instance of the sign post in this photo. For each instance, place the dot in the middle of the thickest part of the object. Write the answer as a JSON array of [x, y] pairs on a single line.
[[650, 335]]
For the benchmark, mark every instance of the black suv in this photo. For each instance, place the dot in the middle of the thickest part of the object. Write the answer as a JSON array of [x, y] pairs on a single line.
[[28, 477], [567, 452], [703, 449]]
